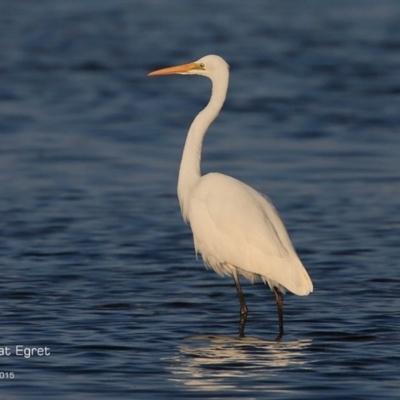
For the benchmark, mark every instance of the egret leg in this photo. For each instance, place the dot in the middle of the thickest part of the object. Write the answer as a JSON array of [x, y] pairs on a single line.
[[279, 303], [243, 306]]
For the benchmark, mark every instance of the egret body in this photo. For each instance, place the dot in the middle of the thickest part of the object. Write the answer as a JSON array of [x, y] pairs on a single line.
[[235, 228]]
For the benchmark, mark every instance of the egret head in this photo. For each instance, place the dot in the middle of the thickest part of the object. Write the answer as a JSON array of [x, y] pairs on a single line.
[[209, 66]]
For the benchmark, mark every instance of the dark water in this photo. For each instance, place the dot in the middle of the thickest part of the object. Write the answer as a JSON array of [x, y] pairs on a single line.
[[96, 263]]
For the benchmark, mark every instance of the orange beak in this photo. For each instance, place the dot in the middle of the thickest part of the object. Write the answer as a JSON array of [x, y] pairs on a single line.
[[179, 69]]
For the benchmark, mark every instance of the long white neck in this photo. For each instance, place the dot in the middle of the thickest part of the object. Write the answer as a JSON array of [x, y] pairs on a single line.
[[189, 172]]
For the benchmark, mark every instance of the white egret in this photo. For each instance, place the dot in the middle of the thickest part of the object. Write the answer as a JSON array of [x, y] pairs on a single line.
[[235, 228]]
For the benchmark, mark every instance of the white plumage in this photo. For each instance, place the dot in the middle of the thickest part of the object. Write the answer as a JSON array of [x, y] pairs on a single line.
[[235, 228]]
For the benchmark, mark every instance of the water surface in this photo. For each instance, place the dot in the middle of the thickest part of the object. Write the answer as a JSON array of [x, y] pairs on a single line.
[[97, 264]]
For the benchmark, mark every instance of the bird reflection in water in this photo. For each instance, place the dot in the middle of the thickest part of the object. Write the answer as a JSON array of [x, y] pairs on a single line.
[[219, 362]]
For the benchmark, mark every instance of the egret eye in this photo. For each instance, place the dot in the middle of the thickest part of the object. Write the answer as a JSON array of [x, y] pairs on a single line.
[[201, 65]]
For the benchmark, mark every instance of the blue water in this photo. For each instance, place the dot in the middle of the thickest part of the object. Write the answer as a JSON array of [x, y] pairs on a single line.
[[96, 262]]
